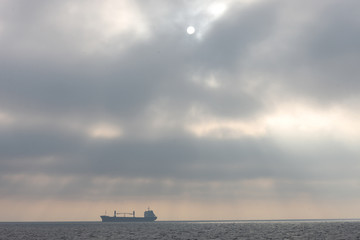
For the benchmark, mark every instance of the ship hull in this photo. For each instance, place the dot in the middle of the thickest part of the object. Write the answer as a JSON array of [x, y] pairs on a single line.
[[127, 219]]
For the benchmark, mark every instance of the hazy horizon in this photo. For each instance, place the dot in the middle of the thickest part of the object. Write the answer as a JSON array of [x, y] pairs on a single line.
[[200, 110]]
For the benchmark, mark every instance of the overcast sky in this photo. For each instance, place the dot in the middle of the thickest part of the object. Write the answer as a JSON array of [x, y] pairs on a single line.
[[112, 105]]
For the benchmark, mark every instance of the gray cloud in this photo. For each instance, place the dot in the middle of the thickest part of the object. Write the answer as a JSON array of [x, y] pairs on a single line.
[[56, 88]]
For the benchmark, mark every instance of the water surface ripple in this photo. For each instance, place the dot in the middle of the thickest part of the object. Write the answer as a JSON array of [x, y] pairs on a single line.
[[182, 230]]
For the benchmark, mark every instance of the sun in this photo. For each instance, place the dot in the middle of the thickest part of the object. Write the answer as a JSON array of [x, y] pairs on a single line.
[[190, 30]]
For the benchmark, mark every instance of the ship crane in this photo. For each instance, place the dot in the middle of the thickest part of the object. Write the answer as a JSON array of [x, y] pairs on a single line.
[[133, 214]]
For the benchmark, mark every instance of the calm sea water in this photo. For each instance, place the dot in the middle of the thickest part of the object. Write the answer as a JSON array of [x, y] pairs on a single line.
[[182, 230]]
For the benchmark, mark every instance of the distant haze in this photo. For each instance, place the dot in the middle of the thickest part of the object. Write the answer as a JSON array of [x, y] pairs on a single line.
[[110, 105]]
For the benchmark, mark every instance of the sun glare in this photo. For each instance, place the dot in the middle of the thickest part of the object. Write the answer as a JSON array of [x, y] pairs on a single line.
[[217, 9]]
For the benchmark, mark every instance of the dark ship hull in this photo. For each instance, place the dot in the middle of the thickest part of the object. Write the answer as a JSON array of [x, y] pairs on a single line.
[[127, 219]]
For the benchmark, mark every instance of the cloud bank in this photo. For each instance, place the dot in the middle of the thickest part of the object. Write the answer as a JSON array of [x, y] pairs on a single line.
[[114, 100]]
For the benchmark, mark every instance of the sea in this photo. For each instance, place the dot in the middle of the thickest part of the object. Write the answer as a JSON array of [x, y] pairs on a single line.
[[305, 229]]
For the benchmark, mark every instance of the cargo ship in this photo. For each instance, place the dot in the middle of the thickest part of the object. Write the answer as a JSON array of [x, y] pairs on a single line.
[[149, 216]]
